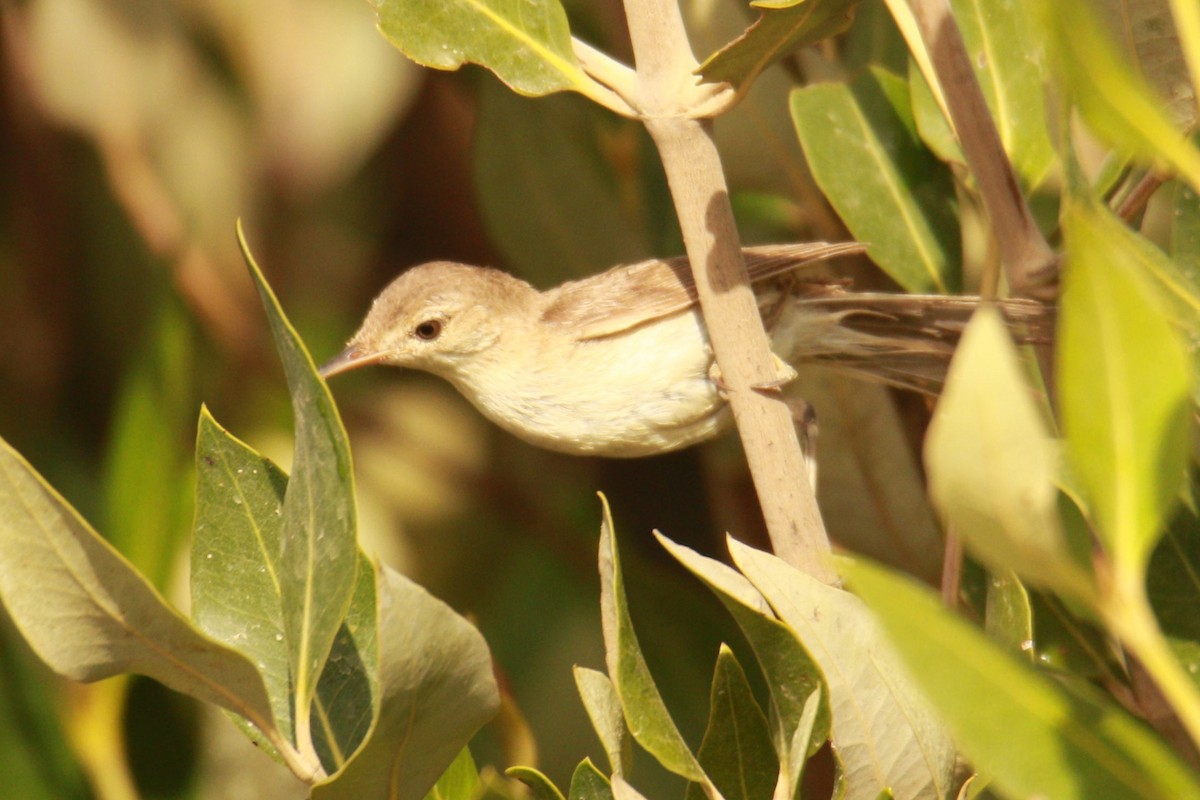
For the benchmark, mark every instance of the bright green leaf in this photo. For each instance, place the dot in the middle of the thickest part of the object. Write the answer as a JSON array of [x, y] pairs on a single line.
[[861, 143], [588, 783], [645, 713], [527, 43], [90, 615], [1117, 104], [1037, 739], [737, 751], [1124, 382], [604, 709], [782, 27], [460, 781], [884, 734], [541, 787], [993, 465], [318, 555], [437, 688]]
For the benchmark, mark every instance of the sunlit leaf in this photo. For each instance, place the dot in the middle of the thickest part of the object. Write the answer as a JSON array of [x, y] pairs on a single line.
[[460, 781], [526, 43], [782, 27], [89, 615], [884, 733], [1117, 104], [645, 713], [436, 687], [1124, 381], [604, 709], [318, 555], [792, 676], [993, 466], [1037, 739], [737, 751], [861, 143]]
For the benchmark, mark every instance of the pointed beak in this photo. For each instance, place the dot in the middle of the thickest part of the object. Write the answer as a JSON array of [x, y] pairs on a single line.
[[352, 357]]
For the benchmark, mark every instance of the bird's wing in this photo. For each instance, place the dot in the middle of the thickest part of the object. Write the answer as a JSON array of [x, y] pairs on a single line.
[[628, 296]]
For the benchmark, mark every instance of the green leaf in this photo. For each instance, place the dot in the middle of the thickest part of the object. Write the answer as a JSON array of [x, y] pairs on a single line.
[[146, 512], [645, 713], [993, 466], [318, 556], [1011, 74], [1037, 739], [1185, 237], [436, 686], [782, 27], [89, 615], [527, 43], [1116, 103], [588, 783], [1008, 615], [1173, 585], [793, 677], [1125, 379], [541, 787], [548, 196], [460, 781], [604, 709], [861, 144], [884, 734], [236, 594], [737, 751]]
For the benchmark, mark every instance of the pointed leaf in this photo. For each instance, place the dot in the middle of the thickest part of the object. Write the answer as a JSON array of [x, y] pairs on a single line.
[[541, 787], [861, 143], [604, 709], [527, 43], [798, 728], [782, 27], [318, 557], [737, 751], [993, 465], [437, 688], [884, 733], [588, 783], [460, 781], [1037, 739], [1125, 380], [89, 615], [646, 714]]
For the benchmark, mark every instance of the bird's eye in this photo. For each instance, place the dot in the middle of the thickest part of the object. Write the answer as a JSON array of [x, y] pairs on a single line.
[[428, 330]]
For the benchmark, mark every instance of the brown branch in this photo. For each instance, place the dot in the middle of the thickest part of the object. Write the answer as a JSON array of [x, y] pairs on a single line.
[[668, 95]]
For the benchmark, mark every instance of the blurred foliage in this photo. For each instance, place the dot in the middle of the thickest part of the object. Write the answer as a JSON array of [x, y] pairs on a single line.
[[133, 133]]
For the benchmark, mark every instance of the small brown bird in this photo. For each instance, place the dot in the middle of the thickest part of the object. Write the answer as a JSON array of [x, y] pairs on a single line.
[[618, 364]]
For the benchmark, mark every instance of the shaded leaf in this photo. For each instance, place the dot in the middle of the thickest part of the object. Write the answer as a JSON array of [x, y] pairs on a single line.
[[645, 713], [884, 734], [782, 27], [318, 550], [436, 689], [1173, 584], [604, 709], [527, 44], [588, 783], [993, 466], [737, 751], [89, 615], [1185, 233], [1038, 739], [1125, 380], [861, 144], [1008, 616]]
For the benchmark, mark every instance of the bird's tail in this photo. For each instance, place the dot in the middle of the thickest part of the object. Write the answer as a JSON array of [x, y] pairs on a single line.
[[896, 339]]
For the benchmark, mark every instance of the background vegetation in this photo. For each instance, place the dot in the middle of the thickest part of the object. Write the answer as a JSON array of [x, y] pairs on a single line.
[[134, 133]]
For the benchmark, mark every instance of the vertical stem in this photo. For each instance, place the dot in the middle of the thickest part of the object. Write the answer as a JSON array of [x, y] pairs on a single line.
[[693, 167]]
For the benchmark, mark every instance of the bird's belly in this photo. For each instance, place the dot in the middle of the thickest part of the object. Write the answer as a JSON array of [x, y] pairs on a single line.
[[637, 393]]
